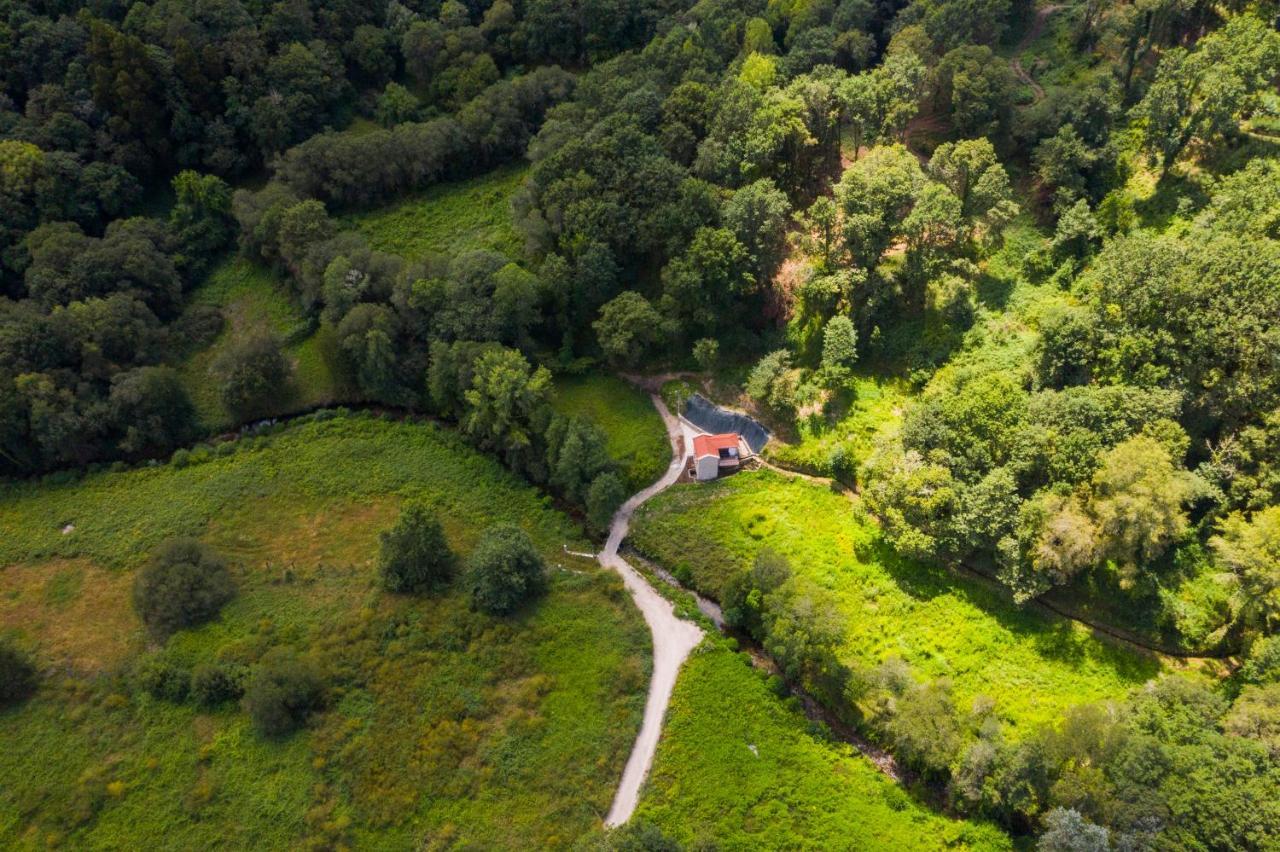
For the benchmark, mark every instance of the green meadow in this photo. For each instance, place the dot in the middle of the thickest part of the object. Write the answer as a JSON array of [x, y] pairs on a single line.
[[252, 298], [449, 218], [635, 435], [941, 624], [741, 768], [443, 728]]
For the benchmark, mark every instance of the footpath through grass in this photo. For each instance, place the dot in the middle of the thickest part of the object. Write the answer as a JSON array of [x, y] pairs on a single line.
[[740, 768], [636, 436], [444, 727], [942, 625], [449, 218]]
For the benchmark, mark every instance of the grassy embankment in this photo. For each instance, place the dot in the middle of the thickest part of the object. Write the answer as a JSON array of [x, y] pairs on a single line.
[[443, 725], [742, 768], [940, 624]]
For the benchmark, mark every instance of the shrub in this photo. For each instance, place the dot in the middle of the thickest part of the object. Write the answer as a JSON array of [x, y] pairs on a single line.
[[604, 497], [415, 555], [185, 583], [1263, 663], [252, 375], [214, 683], [282, 693], [17, 674], [640, 836], [504, 570], [162, 678]]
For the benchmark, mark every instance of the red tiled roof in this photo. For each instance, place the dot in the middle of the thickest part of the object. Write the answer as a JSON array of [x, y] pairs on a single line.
[[711, 445]]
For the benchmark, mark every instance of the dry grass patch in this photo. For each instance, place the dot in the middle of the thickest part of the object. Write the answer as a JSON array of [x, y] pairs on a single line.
[[78, 614]]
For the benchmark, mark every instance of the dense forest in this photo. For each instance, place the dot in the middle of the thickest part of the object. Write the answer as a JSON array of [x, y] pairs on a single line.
[[778, 193]]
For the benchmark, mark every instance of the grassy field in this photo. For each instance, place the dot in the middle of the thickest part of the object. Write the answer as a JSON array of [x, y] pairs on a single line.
[[637, 438], [448, 218], [941, 625], [252, 298], [444, 727], [739, 767]]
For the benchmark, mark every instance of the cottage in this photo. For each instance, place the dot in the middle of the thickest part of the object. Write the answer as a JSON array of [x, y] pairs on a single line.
[[714, 455]]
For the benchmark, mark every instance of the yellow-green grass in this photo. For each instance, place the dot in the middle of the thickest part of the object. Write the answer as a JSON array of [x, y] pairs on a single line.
[[739, 767], [444, 726], [635, 435], [1033, 667], [448, 218], [873, 403], [253, 298]]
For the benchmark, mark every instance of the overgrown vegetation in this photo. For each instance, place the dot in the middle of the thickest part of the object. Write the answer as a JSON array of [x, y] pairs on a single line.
[[184, 584], [791, 778], [524, 722], [845, 589]]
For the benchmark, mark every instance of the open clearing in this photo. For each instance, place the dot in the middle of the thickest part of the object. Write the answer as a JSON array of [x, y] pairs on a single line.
[[940, 624], [444, 727], [252, 299], [449, 218]]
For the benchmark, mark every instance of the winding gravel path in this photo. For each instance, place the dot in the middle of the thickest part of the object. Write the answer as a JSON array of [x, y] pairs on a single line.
[[673, 637]]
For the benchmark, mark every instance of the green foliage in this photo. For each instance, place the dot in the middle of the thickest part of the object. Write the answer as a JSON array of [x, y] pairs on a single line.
[[977, 87], [925, 730], [251, 374], [628, 329], [1251, 550], [17, 673], [635, 438], [414, 554], [282, 692], [706, 351], [773, 383], [160, 676], [449, 218], [184, 584], [839, 351], [200, 219], [506, 393], [504, 571], [213, 684], [790, 779], [1263, 663], [1032, 665], [1202, 94], [606, 494]]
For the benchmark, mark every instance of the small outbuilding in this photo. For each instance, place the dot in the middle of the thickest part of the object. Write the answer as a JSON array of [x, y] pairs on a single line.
[[715, 455]]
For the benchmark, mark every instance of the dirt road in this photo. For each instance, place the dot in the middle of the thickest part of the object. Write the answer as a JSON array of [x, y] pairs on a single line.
[[673, 637]]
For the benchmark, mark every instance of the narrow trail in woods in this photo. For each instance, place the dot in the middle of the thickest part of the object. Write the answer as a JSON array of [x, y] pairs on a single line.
[[1033, 32]]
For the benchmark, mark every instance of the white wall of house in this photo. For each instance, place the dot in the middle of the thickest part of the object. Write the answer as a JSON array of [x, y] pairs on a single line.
[[707, 467]]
